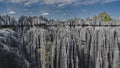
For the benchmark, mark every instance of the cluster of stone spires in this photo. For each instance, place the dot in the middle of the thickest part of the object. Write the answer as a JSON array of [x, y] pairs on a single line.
[[75, 43], [34, 21]]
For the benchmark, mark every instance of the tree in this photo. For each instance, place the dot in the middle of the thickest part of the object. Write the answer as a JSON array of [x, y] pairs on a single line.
[[95, 17], [103, 16]]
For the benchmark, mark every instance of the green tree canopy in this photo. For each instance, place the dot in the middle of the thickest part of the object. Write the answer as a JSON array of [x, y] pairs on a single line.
[[103, 16]]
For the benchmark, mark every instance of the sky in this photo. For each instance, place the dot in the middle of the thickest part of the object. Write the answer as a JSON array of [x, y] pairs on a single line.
[[60, 9]]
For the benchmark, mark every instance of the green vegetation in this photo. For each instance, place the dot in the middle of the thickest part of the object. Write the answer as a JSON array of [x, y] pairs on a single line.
[[103, 16]]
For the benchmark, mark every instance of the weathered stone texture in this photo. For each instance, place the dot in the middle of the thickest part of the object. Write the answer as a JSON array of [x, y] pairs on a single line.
[[72, 44]]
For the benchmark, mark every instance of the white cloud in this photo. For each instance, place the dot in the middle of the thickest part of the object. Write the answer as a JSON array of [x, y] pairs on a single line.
[[87, 2], [83, 10], [108, 1], [16, 1], [64, 14], [45, 14], [58, 1], [31, 12], [1, 0], [28, 3], [61, 3], [11, 12], [25, 2]]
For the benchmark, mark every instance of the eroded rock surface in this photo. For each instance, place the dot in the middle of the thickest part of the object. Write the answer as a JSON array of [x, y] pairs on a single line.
[[11, 50], [37, 42]]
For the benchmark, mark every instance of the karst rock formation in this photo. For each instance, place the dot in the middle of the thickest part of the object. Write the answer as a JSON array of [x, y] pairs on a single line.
[[36, 42]]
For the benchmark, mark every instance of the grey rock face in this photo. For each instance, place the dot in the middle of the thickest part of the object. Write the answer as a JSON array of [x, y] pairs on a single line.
[[74, 43], [7, 20], [11, 53]]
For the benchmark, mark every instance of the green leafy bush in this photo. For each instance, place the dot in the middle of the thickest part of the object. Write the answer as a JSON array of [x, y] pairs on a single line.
[[103, 16]]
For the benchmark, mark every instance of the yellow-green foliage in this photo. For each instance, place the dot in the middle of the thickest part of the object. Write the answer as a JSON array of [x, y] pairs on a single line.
[[95, 17], [103, 16], [46, 54]]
